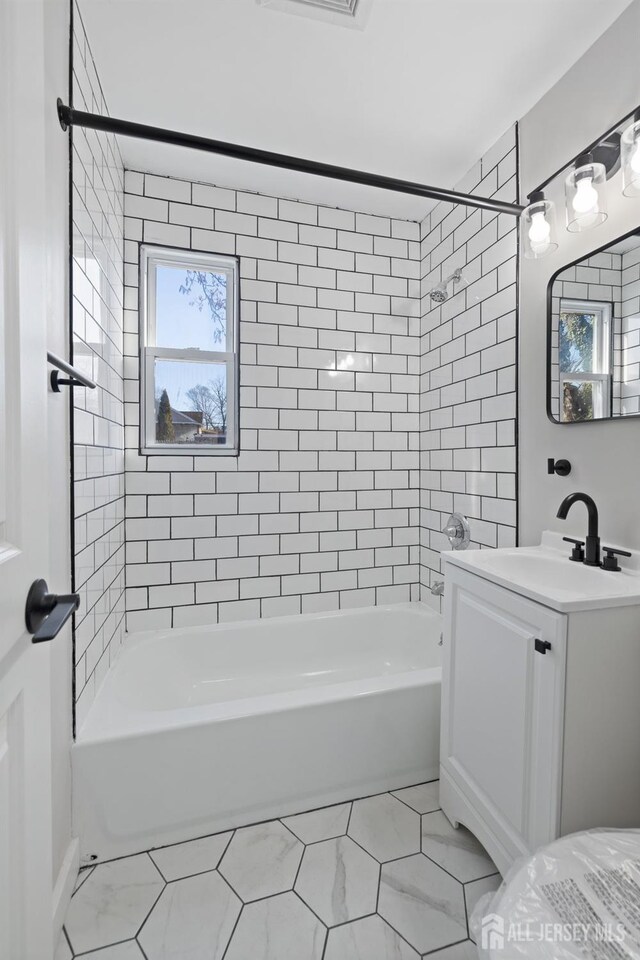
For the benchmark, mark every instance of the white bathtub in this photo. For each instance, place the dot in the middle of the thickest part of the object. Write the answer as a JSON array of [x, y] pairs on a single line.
[[199, 730]]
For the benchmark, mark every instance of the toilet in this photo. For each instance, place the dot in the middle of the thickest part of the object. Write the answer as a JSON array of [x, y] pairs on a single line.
[[576, 898]]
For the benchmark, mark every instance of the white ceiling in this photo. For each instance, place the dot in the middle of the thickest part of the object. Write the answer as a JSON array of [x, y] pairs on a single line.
[[416, 89]]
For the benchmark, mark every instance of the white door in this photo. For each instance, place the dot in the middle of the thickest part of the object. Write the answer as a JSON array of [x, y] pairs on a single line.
[[502, 709], [25, 714]]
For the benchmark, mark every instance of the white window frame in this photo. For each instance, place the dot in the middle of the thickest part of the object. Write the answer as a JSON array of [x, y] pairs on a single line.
[[601, 355], [151, 257]]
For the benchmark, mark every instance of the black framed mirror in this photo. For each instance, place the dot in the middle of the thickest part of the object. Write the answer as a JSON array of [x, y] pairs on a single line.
[[593, 335]]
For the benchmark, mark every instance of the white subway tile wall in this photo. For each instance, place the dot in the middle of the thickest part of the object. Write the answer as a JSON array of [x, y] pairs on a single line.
[[367, 414], [629, 344], [320, 509], [98, 450], [468, 367]]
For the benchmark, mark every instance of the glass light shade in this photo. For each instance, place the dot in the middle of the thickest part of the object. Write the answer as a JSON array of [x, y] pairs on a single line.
[[538, 228], [586, 195], [630, 155]]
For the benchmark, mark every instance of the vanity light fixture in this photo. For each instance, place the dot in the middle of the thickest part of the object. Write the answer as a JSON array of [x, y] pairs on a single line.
[[630, 146], [585, 194], [538, 225]]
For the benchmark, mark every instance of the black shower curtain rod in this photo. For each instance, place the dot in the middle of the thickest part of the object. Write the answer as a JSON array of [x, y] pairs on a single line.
[[70, 117]]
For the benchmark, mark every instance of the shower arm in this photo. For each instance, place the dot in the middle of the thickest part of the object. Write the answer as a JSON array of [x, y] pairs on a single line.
[[455, 277], [69, 117]]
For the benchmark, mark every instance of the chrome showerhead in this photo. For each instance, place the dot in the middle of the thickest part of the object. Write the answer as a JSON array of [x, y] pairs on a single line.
[[439, 294]]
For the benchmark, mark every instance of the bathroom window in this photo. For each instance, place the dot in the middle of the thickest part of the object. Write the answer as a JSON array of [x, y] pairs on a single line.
[[188, 357], [584, 347]]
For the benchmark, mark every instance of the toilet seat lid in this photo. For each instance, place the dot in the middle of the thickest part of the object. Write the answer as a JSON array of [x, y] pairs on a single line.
[[577, 898]]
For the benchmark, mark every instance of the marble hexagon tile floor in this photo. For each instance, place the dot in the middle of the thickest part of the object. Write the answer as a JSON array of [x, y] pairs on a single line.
[[383, 878]]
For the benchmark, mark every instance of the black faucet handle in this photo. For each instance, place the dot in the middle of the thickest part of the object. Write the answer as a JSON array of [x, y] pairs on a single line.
[[577, 553], [610, 562]]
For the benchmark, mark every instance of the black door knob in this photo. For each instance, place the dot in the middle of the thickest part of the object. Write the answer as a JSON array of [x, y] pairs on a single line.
[[46, 613]]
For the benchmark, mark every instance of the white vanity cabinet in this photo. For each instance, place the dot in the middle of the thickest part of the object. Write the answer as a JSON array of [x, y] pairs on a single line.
[[540, 715]]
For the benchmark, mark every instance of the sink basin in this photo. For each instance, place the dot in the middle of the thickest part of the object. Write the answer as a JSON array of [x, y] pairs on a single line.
[[546, 574]]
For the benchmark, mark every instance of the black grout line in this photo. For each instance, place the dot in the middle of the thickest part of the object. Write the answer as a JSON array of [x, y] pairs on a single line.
[[403, 938], [96, 950], [444, 869], [63, 933], [179, 844], [142, 950], [408, 805], [164, 886], [310, 908], [88, 871], [235, 926], [486, 876], [434, 953], [304, 850], [466, 912], [325, 944]]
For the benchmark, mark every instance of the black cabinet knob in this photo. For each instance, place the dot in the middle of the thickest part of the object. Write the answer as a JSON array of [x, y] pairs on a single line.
[[542, 646]]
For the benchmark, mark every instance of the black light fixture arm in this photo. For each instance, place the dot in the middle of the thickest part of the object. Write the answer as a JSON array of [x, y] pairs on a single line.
[[70, 117]]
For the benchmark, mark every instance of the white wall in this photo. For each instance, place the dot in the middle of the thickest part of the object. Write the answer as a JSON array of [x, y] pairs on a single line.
[[597, 92], [594, 95]]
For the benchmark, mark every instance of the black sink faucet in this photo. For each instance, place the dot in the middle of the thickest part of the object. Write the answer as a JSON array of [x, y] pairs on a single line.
[[592, 543]]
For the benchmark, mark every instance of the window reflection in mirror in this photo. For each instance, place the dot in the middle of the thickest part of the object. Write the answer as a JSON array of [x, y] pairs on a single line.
[[594, 336]]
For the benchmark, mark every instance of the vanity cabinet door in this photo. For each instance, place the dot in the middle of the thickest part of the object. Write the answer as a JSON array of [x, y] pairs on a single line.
[[502, 708]]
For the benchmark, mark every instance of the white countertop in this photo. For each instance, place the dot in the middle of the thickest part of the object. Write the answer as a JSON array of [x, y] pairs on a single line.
[[547, 575]]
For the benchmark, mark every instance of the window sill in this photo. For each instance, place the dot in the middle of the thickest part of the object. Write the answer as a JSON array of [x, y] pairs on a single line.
[[195, 450]]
